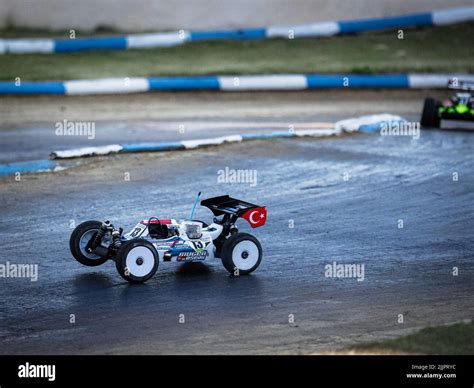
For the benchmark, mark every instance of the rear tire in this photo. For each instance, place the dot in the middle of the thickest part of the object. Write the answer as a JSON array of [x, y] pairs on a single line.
[[241, 254], [430, 116], [137, 261], [80, 236]]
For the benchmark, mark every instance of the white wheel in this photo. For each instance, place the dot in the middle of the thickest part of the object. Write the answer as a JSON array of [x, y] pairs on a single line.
[[140, 261], [241, 254], [245, 255], [137, 261]]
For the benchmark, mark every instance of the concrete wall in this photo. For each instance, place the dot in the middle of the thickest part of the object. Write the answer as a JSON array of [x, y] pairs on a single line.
[[156, 15]]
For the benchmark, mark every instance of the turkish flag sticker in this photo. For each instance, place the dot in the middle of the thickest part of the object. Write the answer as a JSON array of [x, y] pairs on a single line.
[[256, 217]]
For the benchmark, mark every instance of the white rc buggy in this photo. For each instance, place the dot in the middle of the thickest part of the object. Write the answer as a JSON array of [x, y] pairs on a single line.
[[137, 253]]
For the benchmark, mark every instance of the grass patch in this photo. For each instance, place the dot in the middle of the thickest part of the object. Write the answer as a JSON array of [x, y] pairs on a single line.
[[456, 339], [434, 49]]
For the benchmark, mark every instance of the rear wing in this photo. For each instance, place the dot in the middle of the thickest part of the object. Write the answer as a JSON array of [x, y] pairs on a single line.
[[461, 84], [255, 215], [227, 205]]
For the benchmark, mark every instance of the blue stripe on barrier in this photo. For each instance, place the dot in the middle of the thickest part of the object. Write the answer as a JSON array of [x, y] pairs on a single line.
[[31, 166], [256, 136], [354, 26], [104, 43], [183, 83], [370, 128], [144, 147], [255, 33], [32, 88], [357, 81]]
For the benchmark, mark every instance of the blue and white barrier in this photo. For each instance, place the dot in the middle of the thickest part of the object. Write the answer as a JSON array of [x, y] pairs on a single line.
[[234, 83], [186, 144], [367, 124], [361, 124], [167, 39], [26, 167]]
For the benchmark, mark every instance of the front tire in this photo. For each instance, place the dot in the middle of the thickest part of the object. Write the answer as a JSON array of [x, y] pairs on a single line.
[[430, 116], [241, 254], [80, 236], [137, 261]]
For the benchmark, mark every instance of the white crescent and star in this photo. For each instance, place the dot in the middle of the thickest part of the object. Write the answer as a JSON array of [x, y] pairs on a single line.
[[251, 215]]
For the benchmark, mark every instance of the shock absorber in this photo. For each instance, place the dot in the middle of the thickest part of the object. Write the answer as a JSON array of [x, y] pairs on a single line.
[[100, 234], [116, 238]]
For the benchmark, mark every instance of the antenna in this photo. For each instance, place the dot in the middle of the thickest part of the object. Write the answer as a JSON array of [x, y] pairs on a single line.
[[194, 206]]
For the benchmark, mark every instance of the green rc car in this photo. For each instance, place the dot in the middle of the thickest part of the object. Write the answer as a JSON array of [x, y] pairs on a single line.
[[459, 108]]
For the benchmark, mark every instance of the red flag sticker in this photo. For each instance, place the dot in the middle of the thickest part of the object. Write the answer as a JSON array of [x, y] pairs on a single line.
[[256, 217]]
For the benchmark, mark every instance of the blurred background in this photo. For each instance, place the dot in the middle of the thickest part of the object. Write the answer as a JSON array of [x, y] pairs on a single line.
[[159, 15]]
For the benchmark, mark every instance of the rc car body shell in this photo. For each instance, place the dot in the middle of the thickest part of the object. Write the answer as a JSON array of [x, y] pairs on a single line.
[[179, 247]]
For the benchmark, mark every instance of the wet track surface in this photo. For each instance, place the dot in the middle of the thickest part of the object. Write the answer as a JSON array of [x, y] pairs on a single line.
[[345, 196]]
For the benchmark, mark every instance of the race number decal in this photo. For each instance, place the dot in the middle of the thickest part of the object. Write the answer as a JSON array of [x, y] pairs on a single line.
[[137, 231]]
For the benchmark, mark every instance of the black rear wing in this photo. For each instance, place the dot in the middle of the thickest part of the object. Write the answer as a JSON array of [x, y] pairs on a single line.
[[227, 205]]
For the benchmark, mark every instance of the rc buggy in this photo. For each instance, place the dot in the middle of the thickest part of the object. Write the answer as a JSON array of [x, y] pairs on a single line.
[[138, 253], [459, 107]]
